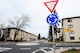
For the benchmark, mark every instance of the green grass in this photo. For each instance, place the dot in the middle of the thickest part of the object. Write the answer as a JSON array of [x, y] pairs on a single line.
[[74, 51], [73, 42]]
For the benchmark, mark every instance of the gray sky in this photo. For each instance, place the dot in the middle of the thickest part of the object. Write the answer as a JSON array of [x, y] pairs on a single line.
[[37, 12]]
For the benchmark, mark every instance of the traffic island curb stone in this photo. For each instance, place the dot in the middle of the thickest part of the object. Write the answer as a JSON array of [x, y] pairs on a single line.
[[57, 51], [61, 50]]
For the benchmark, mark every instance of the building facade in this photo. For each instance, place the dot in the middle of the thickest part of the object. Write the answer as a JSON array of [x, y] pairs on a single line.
[[71, 29], [9, 34], [59, 34]]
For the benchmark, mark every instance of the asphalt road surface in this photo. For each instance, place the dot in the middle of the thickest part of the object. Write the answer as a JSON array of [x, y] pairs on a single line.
[[25, 47], [31, 47]]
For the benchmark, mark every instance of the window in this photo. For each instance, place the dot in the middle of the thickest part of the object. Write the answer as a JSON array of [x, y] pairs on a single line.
[[70, 20], [72, 32], [79, 38], [70, 26], [72, 38], [0, 32]]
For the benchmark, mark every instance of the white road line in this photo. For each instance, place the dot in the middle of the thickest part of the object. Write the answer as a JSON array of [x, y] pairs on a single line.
[[43, 50], [43, 47], [36, 51], [25, 48], [61, 47], [27, 44], [4, 49], [51, 48]]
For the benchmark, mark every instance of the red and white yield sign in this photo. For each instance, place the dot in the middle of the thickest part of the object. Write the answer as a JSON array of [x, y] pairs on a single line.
[[51, 5]]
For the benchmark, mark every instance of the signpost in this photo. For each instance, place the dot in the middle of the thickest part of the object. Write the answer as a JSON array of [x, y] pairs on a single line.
[[52, 19]]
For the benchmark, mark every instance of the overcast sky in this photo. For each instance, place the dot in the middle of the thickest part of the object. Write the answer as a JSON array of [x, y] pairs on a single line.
[[37, 12]]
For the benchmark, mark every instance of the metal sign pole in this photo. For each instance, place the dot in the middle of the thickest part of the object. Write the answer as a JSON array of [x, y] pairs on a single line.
[[53, 39], [52, 19]]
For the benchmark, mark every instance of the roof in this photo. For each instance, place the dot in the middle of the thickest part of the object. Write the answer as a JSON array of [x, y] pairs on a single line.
[[20, 29], [71, 17]]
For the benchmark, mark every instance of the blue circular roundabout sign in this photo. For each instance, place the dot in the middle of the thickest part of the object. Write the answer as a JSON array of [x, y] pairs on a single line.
[[52, 19]]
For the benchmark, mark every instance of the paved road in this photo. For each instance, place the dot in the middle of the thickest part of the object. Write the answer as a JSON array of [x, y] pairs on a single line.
[[31, 47]]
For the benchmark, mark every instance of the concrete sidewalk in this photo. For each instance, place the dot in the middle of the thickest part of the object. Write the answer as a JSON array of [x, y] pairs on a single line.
[[61, 50]]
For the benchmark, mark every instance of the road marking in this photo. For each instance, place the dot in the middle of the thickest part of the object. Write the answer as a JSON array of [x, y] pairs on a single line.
[[61, 47], [27, 44], [43, 47], [43, 50], [4, 49], [36, 51], [25, 48], [69, 47], [51, 48]]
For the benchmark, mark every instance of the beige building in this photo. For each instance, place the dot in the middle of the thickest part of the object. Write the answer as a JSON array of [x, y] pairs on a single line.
[[71, 29], [9, 34], [59, 34]]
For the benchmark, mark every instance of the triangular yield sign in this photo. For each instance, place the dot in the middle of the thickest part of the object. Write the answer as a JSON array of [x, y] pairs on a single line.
[[51, 5]]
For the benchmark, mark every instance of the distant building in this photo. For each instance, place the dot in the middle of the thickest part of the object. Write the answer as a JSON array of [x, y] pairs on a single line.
[[9, 34], [71, 29], [59, 34]]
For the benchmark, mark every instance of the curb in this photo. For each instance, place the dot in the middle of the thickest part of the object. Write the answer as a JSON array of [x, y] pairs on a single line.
[[61, 50]]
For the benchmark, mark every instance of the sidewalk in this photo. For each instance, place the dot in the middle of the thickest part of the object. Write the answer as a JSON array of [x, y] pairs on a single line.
[[61, 50]]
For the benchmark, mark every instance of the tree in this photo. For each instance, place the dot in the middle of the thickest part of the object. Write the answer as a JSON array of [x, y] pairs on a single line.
[[55, 30], [39, 36], [50, 33], [19, 23]]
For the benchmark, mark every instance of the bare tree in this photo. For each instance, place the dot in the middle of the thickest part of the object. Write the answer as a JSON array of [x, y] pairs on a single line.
[[19, 23]]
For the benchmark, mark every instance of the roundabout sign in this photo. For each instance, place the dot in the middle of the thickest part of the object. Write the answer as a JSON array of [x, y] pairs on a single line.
[[52, 19]]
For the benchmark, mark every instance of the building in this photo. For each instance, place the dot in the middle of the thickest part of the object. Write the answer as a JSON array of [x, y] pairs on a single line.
[[59, 34], [71, 29], [9, 34]]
